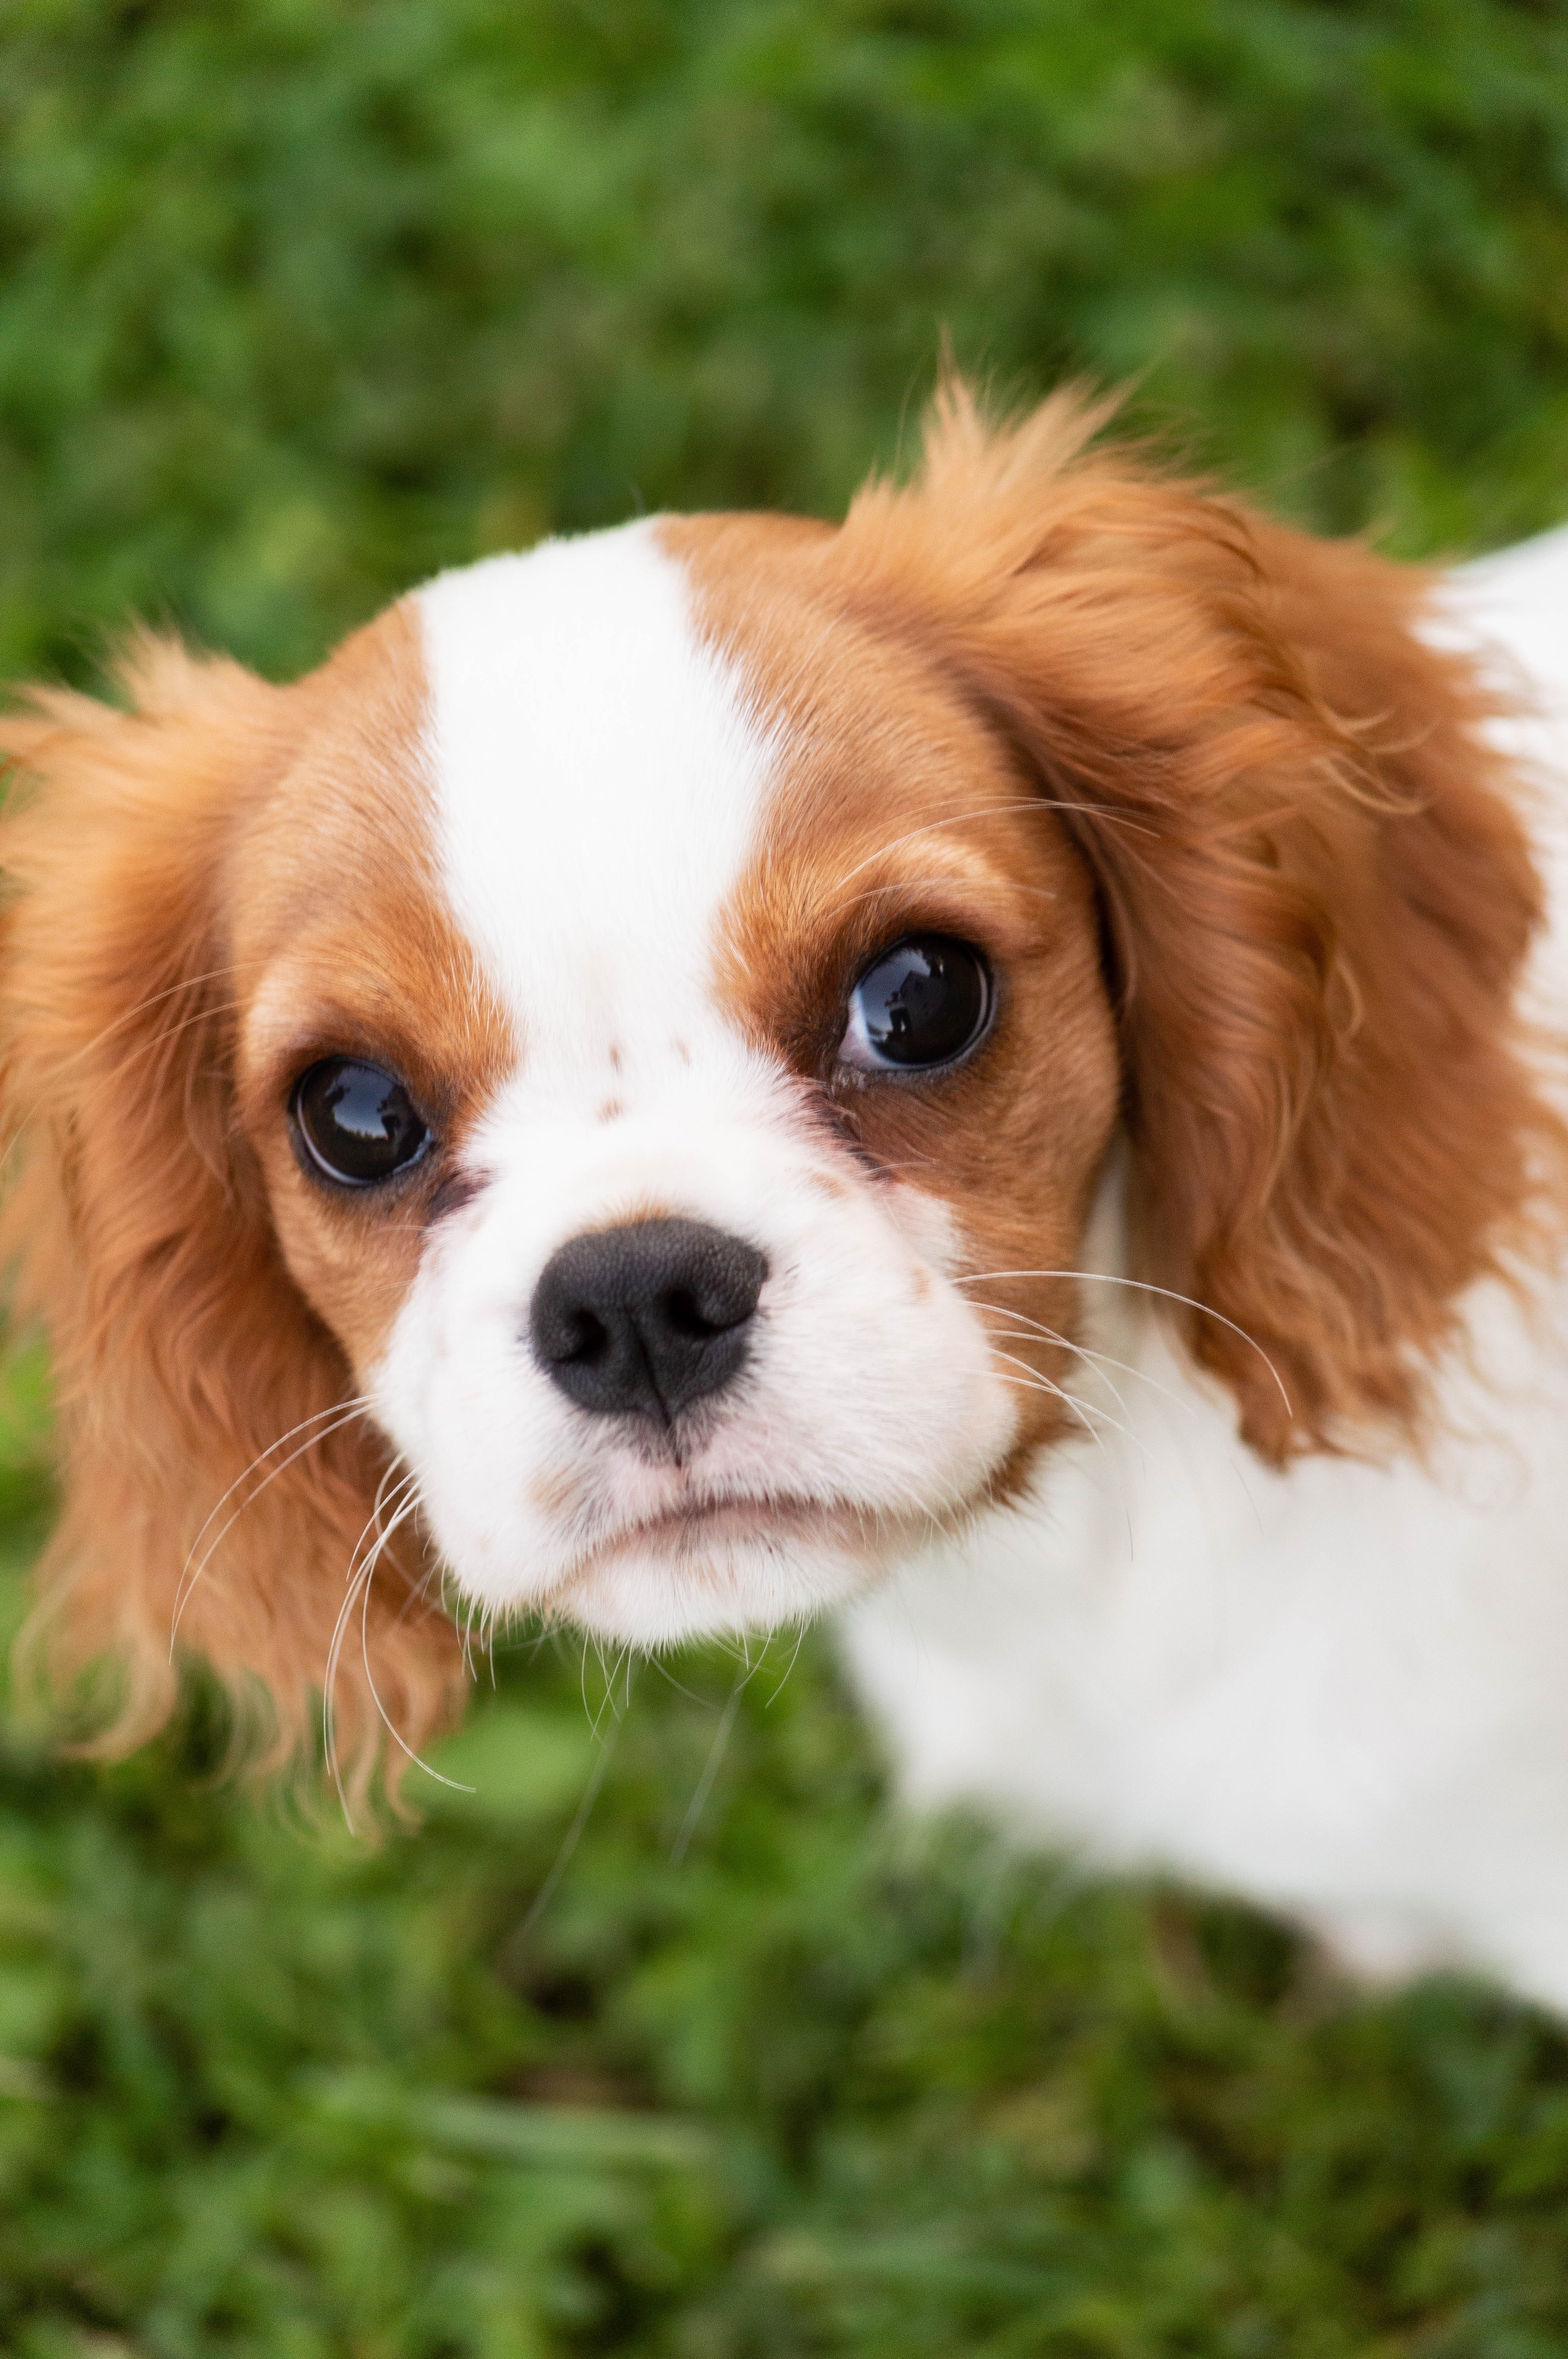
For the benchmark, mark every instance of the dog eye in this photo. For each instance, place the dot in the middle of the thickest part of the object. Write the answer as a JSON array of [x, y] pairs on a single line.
[[358, 1123], [921, 1003]]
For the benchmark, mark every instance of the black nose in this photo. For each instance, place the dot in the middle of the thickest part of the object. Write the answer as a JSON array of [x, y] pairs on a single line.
[[649, 1317]]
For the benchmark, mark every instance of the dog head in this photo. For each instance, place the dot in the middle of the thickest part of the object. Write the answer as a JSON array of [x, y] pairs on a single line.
[[593, 1097]]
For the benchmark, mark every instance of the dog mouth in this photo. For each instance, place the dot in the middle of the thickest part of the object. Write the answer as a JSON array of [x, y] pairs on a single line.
[[695, 1566], [701, 1566], [693, 1528]]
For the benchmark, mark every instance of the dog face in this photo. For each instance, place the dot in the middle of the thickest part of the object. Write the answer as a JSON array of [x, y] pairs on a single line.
[[596, 1093], [718, 1066]]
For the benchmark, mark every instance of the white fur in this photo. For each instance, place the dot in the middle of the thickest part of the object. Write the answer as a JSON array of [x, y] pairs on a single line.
[[1343, 1690], [599, 784]]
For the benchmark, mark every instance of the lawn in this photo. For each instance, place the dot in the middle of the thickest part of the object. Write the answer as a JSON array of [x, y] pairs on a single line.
[[659, 2030]]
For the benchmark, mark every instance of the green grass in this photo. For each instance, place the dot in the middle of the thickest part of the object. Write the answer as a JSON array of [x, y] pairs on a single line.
[[300, 298], [823, 2083]]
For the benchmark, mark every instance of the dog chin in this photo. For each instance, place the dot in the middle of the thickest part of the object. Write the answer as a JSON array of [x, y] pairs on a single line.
[[736, 1569]]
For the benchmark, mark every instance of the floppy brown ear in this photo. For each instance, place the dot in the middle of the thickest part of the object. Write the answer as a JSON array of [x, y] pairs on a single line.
[[212, 1499], [1316, 888]]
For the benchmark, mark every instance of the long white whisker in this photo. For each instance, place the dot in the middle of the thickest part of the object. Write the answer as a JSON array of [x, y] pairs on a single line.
[[1044, 1384], [1095, 1362], [655, 1664], [610, 1675], [573, 1835], [1034, 1383], [1055, 1335], [329, 1716], [1140, 1286], [1166, 1392], [789, 1667], [710, 1768], [408, 1508], [343, 1412], [1034, 1333], [1105, 1359], [316, 1416], [357, 1574]]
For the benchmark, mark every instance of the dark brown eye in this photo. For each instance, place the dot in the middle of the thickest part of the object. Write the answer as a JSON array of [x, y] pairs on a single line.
[[358, 1123], [923, 1003]]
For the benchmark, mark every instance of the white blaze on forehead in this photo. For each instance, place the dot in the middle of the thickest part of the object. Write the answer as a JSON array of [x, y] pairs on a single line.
[[600, 789], [597, 780]]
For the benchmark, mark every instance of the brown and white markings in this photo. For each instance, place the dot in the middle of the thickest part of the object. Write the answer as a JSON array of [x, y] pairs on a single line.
[[731, 1066]]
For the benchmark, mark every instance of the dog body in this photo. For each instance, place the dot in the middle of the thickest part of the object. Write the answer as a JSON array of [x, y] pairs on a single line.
[[1338, 1687], [978, 1060]]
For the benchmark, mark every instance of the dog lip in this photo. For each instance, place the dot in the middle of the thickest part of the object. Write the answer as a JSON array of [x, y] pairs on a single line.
[[748, 1517]]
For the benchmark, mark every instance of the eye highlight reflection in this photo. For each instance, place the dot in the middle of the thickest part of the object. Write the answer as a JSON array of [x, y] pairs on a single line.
[[924, 1003]]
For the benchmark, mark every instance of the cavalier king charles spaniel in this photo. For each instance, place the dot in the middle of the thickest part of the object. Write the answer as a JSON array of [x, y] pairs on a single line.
[[990, 1070]]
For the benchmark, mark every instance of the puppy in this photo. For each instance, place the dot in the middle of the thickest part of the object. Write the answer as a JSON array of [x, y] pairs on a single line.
[[987, 1067]]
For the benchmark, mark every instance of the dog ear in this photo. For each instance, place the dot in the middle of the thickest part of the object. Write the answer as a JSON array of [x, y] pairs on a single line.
[[218, 1487], [1316, 888]]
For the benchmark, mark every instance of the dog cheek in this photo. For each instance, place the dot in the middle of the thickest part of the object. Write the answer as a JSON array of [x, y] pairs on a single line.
[[873, 1380], [353, 1283], [456, 1393]]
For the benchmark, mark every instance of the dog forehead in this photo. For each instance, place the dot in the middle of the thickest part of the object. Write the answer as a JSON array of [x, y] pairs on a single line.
[[598, 781]]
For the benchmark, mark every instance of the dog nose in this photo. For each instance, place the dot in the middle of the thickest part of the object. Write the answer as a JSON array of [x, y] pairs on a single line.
[[649, 1317]]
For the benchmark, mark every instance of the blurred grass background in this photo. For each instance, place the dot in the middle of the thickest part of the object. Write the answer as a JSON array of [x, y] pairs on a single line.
[[299, 299]]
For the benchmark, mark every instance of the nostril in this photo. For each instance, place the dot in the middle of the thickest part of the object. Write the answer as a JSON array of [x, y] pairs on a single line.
[[683, 1315], [581, 1337], [647, 1317]]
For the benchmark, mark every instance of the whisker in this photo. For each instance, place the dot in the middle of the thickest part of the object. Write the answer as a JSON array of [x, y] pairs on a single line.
[[656, 1663], [418, 1592], [573, 1835], [1140, 1286], [1166, 1392], [1082, 1410], [1045, 1385], [1035, 1384], [610, 1675], [357, 1576], [328, 1715], [789, 1667], [1106, 1359], [383, 1541], [1028, 1329], [343, 1412], [1031, 1335], [716, 1752]]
